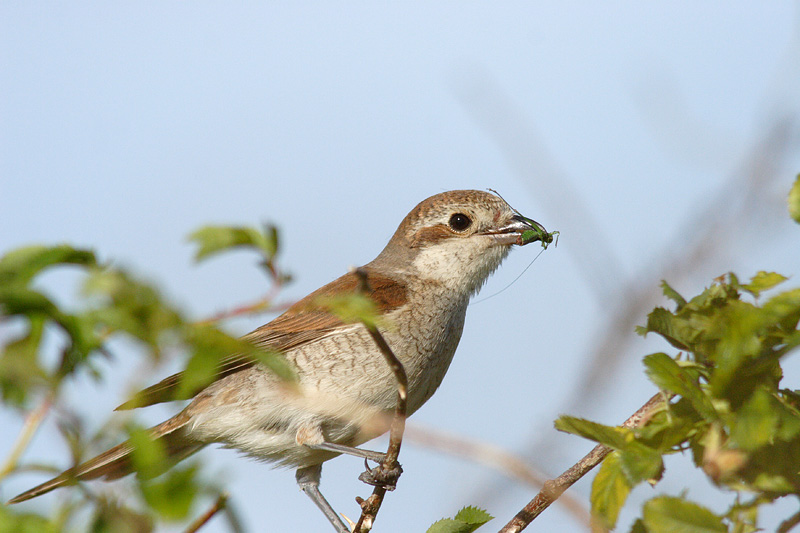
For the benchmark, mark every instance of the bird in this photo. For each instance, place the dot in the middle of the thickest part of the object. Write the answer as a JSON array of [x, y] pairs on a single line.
[[440, 256]]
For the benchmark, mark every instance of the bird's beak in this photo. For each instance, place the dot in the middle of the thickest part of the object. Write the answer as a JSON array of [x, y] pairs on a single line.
[[512, 232]]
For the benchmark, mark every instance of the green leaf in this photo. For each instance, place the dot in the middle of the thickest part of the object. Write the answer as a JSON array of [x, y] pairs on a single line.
[[19, 266], [665, 324], [776, 483], [668, 375], [473, 515], [667, 514], [782, 311], [130, 306], [763, 281], [448, 525], [610, 489], [20, 522], [354, 307], [211, 347], [741, 357], [756, 422], [788, 417], [19, 365], [672, 294], [212, 240], [172, 495], [149, 455], [794, 200], [641, 463], [19, 300], [612, 436], [466, 520]]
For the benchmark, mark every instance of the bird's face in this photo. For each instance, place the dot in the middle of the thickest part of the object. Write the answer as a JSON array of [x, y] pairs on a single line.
[[456, 238]]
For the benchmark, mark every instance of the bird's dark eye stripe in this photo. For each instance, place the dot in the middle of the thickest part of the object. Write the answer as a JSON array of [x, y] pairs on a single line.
[[460, 222]]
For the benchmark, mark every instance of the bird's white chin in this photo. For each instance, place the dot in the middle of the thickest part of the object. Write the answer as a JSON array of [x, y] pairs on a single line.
[[463, 265]]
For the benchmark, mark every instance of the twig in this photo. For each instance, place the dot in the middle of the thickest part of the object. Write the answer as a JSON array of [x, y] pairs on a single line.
[[371, 506], [260, 306], [202, 520], [788, 524], [555, 487], [32, 423], [492, 456]]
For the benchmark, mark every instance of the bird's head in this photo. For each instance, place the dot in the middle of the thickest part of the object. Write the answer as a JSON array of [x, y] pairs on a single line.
[[457, 238]]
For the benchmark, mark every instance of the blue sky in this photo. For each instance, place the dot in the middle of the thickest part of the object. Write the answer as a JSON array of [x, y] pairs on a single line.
[[125, 127]]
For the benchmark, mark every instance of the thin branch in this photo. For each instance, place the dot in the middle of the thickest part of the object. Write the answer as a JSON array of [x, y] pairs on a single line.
[[371, 506], [264, 305], [555, 487], [492, 456], [32, 423], [202, 520], [788, 524]]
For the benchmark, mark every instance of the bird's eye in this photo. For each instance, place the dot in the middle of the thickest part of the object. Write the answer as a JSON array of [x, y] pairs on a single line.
[[460, 222]]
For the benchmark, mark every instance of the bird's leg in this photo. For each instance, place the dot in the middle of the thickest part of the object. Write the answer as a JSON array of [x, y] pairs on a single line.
[[311, 436], [308, 481], [378, 476], [378, 457], [385, 476]]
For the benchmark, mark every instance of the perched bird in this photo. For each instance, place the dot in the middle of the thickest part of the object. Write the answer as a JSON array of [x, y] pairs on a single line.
[[440, 255]]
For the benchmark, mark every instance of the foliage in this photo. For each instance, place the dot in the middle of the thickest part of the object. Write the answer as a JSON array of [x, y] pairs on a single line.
[[114, 304], [212, 240], [794, 200], [466, 520], [732, 416]]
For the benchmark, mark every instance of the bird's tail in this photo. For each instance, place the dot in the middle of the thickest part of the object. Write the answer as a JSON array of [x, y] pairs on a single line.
[[116, 462]]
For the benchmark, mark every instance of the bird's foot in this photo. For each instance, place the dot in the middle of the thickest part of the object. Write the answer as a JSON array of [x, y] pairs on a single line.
[[381, 476]]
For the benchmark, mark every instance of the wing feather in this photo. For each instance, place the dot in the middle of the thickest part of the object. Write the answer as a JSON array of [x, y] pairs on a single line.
[[304, 322]]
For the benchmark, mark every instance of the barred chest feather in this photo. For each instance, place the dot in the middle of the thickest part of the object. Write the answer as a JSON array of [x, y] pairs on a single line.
[[423, 334]]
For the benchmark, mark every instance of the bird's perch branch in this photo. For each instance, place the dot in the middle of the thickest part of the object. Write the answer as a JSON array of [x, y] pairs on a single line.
[[555, 487], [390, 466]]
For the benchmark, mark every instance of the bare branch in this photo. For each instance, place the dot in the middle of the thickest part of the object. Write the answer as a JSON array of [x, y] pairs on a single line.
[[263, 305], [788, 524], [555, 487], [202, 520]]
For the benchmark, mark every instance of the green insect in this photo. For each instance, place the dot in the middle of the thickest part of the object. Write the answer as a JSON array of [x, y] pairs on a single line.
[[537, 234], [537, 231]]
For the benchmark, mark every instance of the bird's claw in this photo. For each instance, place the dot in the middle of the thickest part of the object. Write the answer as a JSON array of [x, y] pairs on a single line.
[[381, 476]]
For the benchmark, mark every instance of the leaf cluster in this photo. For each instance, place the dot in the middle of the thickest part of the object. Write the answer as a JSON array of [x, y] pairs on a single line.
[[114, 304], [731, 414]]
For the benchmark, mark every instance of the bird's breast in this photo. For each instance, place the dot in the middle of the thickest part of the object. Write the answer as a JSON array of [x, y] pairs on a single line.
[[348, 366], [424, 336]]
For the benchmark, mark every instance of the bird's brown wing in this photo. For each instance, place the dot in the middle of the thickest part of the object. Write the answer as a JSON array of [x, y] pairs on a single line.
[[116, 462], [305, 321]]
